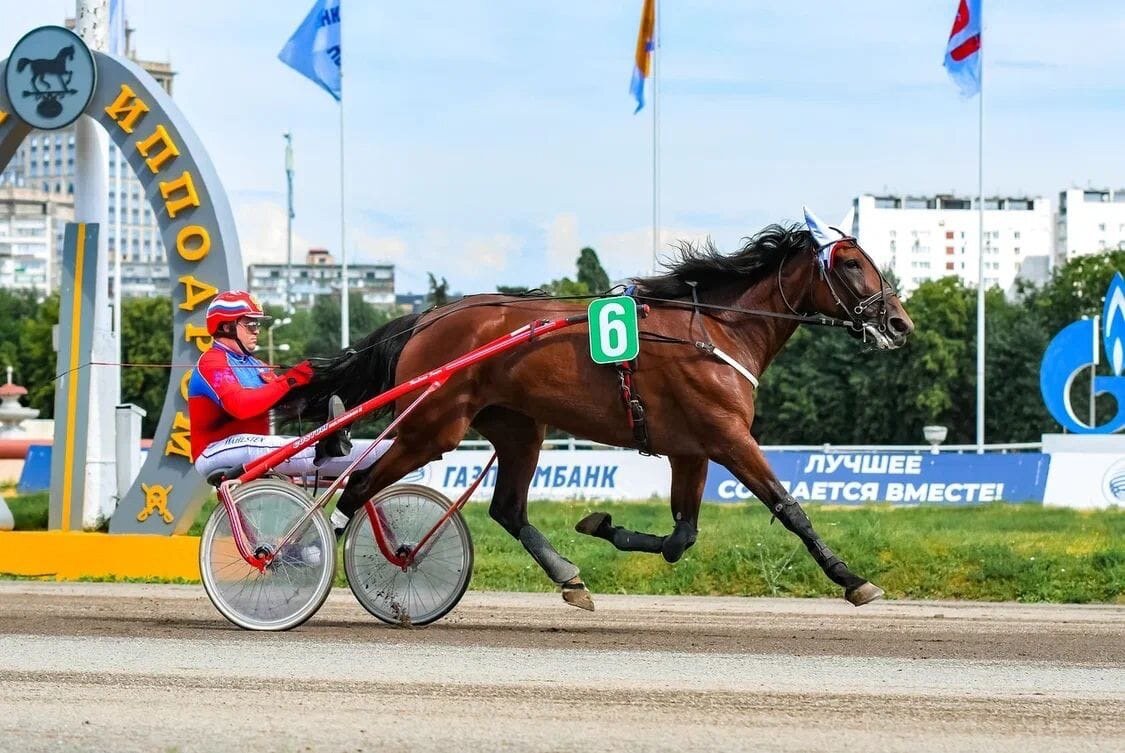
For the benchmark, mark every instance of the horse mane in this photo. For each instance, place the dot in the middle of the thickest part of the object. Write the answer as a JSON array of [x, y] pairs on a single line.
[[708, 267]]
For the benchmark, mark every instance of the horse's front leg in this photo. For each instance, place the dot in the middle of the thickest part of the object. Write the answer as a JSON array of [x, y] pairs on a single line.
[[517, 439], [745, 460]]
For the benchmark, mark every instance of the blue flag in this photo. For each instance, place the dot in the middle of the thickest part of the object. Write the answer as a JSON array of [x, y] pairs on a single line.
[[962, 53], [314, 49]]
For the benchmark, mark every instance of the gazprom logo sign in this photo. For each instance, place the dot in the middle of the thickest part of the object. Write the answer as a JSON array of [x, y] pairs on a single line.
[[1077, 347]]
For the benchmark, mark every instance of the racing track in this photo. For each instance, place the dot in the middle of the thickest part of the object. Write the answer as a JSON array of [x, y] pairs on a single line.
[[120, 667]]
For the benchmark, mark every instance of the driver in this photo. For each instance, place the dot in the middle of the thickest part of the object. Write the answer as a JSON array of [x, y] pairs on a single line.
[[231, 392]]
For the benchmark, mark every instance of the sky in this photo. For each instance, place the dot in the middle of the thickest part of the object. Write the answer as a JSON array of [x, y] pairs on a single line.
[[488, 142]]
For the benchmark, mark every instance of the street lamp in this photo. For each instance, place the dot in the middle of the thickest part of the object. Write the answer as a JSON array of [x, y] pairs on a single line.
[[269, 338]]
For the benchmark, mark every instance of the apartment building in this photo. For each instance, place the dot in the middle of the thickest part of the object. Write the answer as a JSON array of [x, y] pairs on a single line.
[[921, 238], [1089, 221], [31, 237], [300, 285]]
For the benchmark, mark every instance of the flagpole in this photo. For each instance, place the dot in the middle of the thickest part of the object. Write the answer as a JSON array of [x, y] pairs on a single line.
[[980, 260], [345, 336], [655, 135], [288, 136]]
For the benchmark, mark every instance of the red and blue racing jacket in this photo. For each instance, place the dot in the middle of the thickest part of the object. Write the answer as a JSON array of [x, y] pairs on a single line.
[[230, 393]]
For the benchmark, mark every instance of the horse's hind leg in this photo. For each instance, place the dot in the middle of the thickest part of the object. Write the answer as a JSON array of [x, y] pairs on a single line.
[[688, 477], [517, 439], [746, 461]]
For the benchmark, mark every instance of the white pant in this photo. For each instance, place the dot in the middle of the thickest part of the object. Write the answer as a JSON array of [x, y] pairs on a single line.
[[241, 449]]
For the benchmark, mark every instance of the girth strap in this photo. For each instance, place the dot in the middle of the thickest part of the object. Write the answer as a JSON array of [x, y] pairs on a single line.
[[634, 407]]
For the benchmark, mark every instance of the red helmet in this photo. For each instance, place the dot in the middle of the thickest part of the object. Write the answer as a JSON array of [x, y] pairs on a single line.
[[230, 307]]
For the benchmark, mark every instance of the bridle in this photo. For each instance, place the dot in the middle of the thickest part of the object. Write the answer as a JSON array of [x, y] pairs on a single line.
[[856, 313]]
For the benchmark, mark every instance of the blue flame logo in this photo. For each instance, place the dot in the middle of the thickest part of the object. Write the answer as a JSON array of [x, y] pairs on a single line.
[[1113, 485], [1113, 324], [1073, 350], [1117, 486]]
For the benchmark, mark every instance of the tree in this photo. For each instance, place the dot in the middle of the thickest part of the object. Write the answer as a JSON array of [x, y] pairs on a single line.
[[146, 337], [590, 272], [566, 287], [438, 294], [1014, 410], [16, 308], [324, 326], [1075, 289], [37, 357]]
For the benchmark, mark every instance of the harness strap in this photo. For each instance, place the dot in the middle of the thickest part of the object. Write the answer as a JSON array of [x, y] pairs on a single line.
[[723, 356], [634, 407]]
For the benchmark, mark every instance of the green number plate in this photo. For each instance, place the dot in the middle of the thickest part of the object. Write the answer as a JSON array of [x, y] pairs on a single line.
[[613, 329]]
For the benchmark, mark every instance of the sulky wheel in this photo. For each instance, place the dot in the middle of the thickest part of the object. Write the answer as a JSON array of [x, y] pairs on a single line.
[[434, 582], [295, 583]]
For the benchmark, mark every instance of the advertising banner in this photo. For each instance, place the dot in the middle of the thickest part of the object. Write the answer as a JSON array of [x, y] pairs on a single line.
[[900, 478], [1087, 471], [561, 474]]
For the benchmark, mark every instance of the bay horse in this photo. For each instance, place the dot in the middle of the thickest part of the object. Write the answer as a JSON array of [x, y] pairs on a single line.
[[698, 406]]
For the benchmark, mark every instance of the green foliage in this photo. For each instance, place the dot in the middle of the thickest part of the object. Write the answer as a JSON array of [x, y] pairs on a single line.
[[1076, 289], [316, 332], [16, 307], [590, 272], [824, 387], [37, 357], [146, 337], [566, 287], [438, 294]]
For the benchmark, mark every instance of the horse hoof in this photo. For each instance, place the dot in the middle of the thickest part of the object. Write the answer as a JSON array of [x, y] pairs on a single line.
[[592, 523], [863, 594], [576, 594]]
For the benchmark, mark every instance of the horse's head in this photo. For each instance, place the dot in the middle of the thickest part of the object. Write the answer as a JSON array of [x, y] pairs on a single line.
[[848, 285], [67, 52]]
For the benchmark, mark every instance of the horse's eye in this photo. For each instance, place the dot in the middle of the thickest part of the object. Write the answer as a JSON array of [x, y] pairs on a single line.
[[851, 264]]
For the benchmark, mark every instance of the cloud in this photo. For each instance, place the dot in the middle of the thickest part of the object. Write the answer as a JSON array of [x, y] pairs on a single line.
[[372, 247], [629, 253], [562, 245], [262, 234]]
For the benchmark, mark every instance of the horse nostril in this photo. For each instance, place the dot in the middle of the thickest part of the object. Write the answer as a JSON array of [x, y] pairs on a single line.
[[900, 326]]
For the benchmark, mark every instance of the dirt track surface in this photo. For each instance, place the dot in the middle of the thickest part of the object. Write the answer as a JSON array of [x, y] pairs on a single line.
[[93, 667]]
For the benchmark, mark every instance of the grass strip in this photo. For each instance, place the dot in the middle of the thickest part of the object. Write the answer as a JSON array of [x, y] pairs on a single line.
[[998, 552]]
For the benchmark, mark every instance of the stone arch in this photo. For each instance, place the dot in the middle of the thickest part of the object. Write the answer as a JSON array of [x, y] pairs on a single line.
[[198, 231]]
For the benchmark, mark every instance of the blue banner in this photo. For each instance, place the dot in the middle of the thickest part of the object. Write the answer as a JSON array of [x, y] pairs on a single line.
[[901, 478]]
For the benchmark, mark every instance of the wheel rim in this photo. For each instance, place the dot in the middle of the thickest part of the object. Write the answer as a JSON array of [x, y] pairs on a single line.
[[436, 580], [295, 583]]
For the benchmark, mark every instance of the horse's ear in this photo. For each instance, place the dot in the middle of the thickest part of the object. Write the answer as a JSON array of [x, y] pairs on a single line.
[[821, 232], [845, 226]]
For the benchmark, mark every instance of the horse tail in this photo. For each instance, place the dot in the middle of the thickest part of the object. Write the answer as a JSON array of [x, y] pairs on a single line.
[[23, 63], [356, 374]]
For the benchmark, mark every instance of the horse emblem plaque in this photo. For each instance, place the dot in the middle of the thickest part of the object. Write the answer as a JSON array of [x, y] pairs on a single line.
[[50, 77]]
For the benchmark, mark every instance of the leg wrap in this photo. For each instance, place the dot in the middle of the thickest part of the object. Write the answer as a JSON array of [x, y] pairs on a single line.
[[789, 512], [621, 538], [679, 541], [632, 541], [558, 568]]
